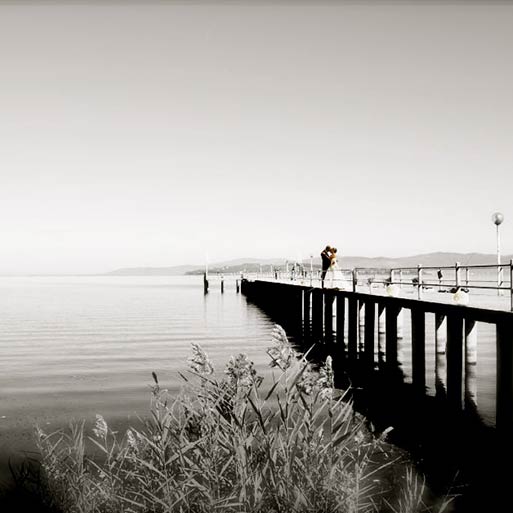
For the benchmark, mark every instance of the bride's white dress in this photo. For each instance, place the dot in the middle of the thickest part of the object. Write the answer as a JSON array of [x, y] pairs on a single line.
[[336, 276]]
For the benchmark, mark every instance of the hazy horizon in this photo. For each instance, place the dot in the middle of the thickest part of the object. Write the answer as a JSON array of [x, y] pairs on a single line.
[[155, 134]]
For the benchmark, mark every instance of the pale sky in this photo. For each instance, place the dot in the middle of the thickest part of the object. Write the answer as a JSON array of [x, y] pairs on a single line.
[[151, 134]]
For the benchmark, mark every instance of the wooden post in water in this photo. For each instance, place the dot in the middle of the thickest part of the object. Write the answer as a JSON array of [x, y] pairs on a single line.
[[470, 342], [341, 314], [400, 324], [317, 310], [352, 327], [455, 360], [391, 313], [307, 294], [504, 395], [329, 297], [418, 349], [440, 333], [205, 283], [222, 284], [237, 286], [381, 331], [370, 314]]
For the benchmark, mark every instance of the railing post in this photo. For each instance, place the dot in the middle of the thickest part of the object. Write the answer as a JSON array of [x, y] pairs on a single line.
[[400, 278], [467, 276], [418, 349], [457, 274], [419, 279], [355, 279]]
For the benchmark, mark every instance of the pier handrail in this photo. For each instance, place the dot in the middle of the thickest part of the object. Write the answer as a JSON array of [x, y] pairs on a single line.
[[412, 277]]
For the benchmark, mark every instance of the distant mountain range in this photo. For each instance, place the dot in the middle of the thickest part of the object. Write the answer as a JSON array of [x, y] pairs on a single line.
[[347, 262]]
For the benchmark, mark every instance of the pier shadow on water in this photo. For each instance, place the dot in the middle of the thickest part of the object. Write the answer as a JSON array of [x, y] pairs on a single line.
[[459, 455]]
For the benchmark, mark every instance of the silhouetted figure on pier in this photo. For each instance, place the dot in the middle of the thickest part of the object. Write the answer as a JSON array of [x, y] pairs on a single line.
[[326, 262]]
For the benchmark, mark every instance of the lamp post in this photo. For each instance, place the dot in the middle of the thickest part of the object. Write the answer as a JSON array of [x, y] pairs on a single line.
[[497, 219]]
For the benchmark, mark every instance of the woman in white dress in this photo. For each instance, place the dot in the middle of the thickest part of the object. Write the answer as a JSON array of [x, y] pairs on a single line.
[[336, 278]]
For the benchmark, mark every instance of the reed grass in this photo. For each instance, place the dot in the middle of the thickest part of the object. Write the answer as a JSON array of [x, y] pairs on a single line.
[[228, 444]]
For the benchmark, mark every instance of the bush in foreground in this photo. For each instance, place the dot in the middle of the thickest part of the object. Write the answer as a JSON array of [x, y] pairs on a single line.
[[225, 445]]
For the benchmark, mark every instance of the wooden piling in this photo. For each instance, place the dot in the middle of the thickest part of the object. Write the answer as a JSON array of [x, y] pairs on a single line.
[[504, 395], [370, 314], [391, 313], [352, 330], [455, 360], [237, 286], [317, 311], [470, 342], [381, 318], [329, 297], [205, 283], [440, 333], [341, 314], [418, 349], [222, 284]]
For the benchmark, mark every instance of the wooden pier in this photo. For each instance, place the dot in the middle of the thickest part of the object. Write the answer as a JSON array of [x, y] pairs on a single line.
[[379, 319]]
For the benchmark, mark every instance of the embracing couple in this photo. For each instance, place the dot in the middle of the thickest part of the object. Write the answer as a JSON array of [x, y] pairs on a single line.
[[330, 267]]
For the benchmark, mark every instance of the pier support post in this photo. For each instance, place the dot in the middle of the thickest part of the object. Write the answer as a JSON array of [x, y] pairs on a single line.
[[455, 360], [329, 297], [307, 294], [470, 342], [504, 396], [440, 333], [370, 314], [391, 313], [352, 327], [205, 283], [317, 311], [341, 315], [418, 349]]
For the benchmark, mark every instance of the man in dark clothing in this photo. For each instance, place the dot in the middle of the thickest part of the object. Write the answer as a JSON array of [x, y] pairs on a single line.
[[326, 262]]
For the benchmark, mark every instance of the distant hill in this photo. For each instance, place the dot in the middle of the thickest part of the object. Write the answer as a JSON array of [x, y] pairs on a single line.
[[347, 262], [178, 270]]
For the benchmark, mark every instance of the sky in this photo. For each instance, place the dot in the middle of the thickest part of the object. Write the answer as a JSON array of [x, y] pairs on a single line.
[[164, 133]]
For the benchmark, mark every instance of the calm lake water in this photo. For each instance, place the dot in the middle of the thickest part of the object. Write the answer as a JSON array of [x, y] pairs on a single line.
[[71, 347]]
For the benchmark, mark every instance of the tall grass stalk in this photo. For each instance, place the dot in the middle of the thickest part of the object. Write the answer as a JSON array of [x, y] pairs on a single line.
[[225, 444]]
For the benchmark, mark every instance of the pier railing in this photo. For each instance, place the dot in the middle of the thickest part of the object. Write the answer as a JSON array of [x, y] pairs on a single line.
[[347, 322], [490, 278]]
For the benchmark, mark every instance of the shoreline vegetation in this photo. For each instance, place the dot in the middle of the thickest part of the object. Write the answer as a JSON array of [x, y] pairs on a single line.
[[225, 444]]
